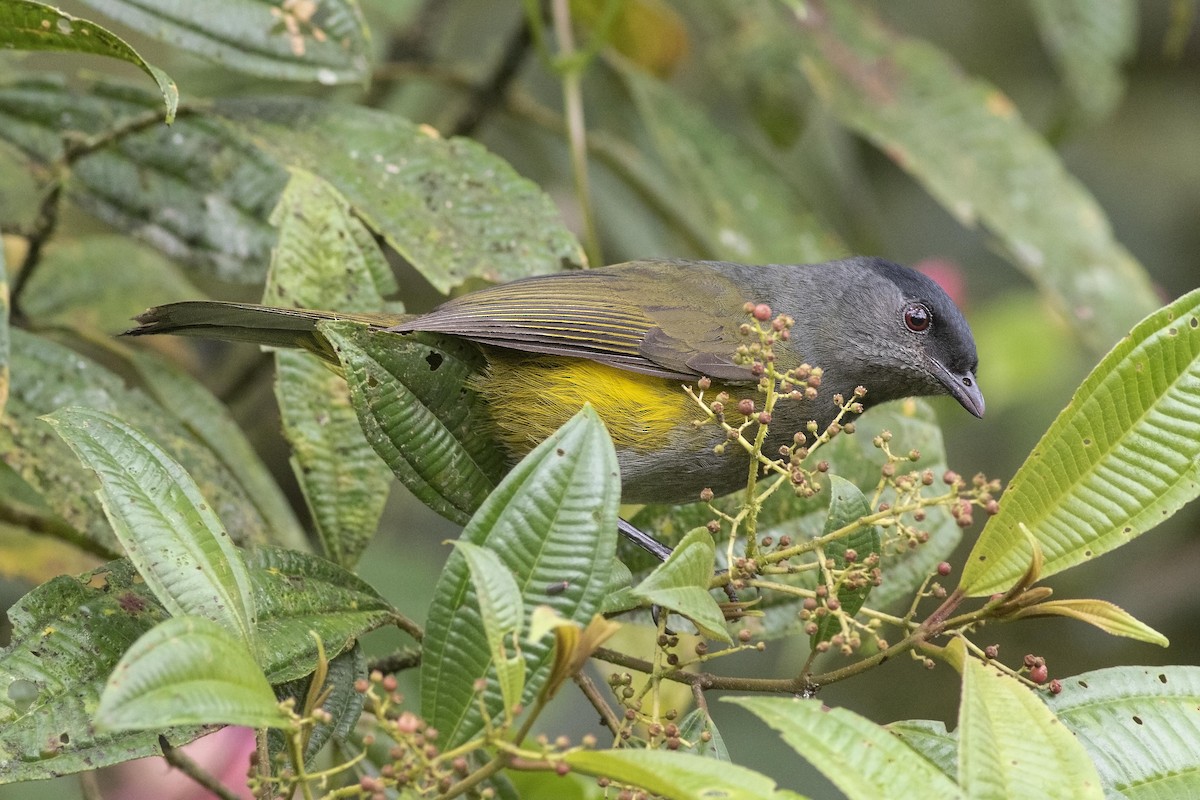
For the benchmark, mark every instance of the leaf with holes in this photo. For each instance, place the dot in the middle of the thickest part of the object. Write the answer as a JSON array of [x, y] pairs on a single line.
[[326, 42], [164, 523], [25, 25], [326, 258]]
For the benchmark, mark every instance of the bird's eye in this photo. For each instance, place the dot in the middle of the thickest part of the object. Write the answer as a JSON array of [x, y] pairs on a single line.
[[917, 318]]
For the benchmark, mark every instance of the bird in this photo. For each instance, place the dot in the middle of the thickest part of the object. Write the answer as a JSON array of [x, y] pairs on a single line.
[[628, 338]]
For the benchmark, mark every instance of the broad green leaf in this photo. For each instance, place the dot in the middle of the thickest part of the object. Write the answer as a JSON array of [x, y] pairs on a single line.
[[733, 200], [963, 140], [931, 739], [1139, 726], [1105, 616], [860, 758], [452, 209], [205, 416], [1121, 457], [681, 584], [847, 503], [297, 595], [692, 728], [327, 259], [552, 520], [25, 25], [1090, 40], [342, 702], [413, 401], [1011, 745], [678, 775], [914, 426], [194, 191], [502, 615], [55, 666], [46, 377], [69, 634], [97, 283], [163, 521], [188, 671], [326, 42]]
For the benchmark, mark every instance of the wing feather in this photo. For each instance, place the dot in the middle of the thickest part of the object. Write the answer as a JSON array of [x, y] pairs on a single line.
[[621, 316]]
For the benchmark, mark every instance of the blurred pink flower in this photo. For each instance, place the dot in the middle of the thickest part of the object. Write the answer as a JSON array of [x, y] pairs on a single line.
[[225, 755]]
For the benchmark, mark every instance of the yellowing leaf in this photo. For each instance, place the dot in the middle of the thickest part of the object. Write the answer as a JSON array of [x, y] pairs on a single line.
[[1107, 617]]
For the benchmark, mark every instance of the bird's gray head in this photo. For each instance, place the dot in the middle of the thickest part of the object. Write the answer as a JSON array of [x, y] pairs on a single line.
[[905, 335]]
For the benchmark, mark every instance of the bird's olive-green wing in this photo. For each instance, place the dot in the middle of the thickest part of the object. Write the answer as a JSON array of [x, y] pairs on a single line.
[[676, 320]]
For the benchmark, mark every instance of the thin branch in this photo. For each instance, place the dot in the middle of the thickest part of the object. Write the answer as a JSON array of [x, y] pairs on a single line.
[[592, 693], [396, 662], [572, 78], [46, 221], [182, 762], [490, 94]]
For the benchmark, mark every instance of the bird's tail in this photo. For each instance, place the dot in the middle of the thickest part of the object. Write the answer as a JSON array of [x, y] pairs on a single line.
[[246, 322]]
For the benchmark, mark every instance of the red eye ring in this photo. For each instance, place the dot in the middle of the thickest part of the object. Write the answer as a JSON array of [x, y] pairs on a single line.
[[917, 318]]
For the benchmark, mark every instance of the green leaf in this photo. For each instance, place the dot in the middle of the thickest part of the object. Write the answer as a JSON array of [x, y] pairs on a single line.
[[734, 201], [325, 259], [55, 666], [502, 614], [437, 201], [1090, 40], [681, 584], [553, 519], [205, 416], [692, 728], [97, 283], [69, 633], [326, 42], [413, 402], [25, 25], [188, 671], [1107, 617], [1139, 726], [47, 376], [297, 595], [681, 775], [1120, 458], [860, 758], [846, 505], [963, 140], [163, 521], [1011, 744], [931, 739], [194, 191], [342, 702]]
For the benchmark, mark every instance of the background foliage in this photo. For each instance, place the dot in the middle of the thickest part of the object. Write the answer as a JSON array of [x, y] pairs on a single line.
[[1039, 157]]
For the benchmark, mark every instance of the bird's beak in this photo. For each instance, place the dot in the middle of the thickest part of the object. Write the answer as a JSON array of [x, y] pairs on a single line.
[[963, 388]]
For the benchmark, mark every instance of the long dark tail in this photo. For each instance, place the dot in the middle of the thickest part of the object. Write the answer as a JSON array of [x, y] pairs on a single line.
[[246, 322]]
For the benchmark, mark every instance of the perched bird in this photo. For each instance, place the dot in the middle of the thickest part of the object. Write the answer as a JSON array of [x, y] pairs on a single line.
[[626, 338]]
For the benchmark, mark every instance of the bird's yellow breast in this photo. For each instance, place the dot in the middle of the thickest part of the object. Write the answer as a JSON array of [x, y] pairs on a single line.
[[531, 396]]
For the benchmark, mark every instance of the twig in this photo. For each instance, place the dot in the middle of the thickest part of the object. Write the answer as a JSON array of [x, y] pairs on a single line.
[[572, 78], [182, 762], [411, 44], [489, 94], [396, 662], [44, 225], [592, 693], [407, 625]]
